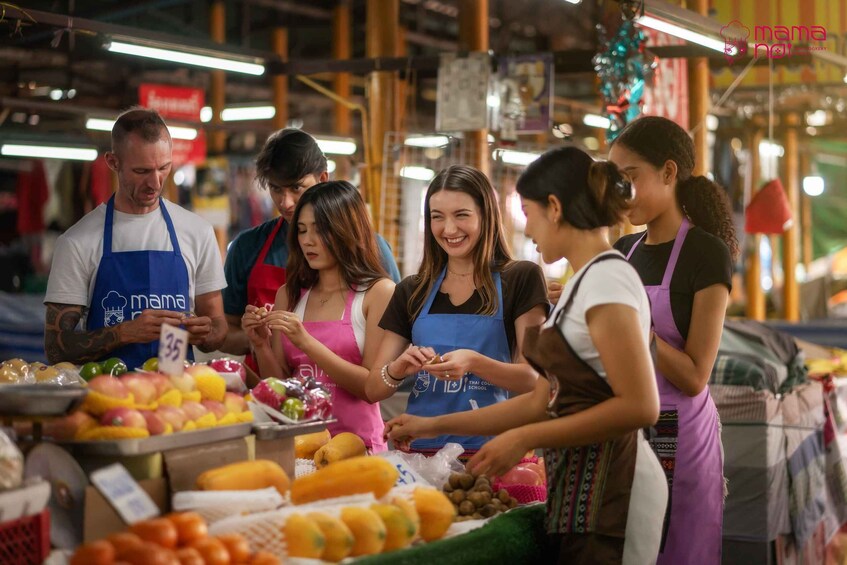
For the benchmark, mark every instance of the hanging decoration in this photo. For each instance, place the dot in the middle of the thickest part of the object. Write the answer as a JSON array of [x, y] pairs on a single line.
[[769, 211], [623, 66]]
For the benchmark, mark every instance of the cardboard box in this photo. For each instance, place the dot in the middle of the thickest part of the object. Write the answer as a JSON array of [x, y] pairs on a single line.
[[183, 466], [101, 519]]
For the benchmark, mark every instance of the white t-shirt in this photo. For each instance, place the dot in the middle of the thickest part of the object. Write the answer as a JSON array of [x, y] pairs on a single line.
[[78, 251], [609, 282]]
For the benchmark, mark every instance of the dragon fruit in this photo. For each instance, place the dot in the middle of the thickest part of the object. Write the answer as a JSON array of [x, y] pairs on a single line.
[[270, 392]]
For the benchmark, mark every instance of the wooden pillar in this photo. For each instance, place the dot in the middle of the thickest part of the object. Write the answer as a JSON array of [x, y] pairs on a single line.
[[790, 290], [806, 213], [217, 88], [698, 97], [217, 95], [279, 38], [756, 307], [473, 36], [341, 50], [382, 20]]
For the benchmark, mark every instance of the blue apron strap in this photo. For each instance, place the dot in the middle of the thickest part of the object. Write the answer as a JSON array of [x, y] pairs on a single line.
[[498, 284], [170, 224], [431, 298], [107, 227]]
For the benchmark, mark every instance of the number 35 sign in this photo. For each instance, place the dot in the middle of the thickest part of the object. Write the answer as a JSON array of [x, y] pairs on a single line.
[[173, 347]]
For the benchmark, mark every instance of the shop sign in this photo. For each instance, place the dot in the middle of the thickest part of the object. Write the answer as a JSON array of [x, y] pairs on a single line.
[[176, 103], [668, 95]]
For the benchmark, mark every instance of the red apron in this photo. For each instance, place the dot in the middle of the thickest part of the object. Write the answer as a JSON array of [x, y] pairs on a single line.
[[263, 283]]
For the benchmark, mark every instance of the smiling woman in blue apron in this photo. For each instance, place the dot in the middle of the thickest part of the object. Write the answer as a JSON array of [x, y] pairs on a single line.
[[685, 261], [606, 492], [464, 313], [135, 262]]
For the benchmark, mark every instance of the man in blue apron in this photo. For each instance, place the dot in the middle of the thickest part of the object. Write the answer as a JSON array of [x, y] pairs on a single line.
[[134, 263]]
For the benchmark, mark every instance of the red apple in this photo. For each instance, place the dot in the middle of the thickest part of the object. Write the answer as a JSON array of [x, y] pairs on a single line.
[[142, 388], [234, 403], [161, 382], [124, 418], [183, 382], [173, 416], [65, 429], [227, 365], [109, 386], [521, 475], [215, 407], [194, 410], [155, 423]]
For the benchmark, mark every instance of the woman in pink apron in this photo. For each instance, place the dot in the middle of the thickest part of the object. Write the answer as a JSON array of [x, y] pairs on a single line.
[[324, 320], [685, 262], [606, 492]]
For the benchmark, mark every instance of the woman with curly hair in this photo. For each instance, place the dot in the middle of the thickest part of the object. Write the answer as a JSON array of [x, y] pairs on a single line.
[[685, 261]]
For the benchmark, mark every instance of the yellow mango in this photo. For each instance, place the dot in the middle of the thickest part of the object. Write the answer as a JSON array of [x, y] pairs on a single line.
[[368, 530], [339, 538], [303, 537], [436, 512], [343, 446], [399, 529]]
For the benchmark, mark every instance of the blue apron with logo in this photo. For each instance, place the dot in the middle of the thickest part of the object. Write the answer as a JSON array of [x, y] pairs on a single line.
[[129, 282], [449, 332]]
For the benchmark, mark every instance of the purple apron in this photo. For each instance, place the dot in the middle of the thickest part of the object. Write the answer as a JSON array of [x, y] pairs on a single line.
[[688, 444]]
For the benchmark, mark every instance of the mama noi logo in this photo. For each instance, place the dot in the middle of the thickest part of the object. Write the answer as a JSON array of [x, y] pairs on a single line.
[[775, 42]]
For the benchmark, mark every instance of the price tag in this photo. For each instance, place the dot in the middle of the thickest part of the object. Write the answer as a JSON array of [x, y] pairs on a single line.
[[173, 348], [408, 476], [123, 493]]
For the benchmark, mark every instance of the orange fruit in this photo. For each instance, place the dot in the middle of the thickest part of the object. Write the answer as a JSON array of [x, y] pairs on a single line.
[[213, 551], [264, 558], [159, 531], [94, 553], [237, 547], [190, 527], [189, 556], [124, 541], [149, 554]]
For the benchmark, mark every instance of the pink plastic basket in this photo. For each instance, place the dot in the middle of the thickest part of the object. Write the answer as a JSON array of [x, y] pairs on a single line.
[[524, 494]]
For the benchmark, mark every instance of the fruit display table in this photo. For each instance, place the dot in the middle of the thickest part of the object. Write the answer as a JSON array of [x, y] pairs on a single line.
[[514, 537]]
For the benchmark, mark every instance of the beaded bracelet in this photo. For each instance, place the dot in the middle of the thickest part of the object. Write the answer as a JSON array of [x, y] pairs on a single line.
[[386, 375]]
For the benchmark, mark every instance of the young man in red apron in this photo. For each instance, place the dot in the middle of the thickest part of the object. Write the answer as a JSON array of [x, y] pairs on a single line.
[[289, 164]]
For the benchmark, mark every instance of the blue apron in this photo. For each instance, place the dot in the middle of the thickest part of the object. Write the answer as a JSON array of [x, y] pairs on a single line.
[[132, 281], [449, 332]]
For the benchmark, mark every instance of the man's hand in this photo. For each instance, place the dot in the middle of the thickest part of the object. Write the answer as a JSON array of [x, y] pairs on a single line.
[[148, 326], [199, 328]]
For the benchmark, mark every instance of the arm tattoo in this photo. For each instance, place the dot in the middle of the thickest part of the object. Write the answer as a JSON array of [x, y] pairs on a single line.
[[63, 343]]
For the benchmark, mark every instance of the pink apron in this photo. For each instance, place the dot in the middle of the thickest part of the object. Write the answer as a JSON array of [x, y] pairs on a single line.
[[688, 444], [353, 414]]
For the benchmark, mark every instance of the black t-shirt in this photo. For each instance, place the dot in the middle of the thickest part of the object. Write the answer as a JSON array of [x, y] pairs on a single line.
[[704, 260], [523, 288]]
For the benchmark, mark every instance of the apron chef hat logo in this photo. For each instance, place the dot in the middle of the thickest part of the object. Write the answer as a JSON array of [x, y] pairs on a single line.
[[113, 308]]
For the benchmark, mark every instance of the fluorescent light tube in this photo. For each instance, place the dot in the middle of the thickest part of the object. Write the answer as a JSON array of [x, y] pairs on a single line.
[[769, 149], [248, 113], [427, 141], [595, 121], [177, 132], [684, 33], [337, 146], [174, 56], [417, 173], [330, 166], [48, 152], [813, 186], [515, 157]]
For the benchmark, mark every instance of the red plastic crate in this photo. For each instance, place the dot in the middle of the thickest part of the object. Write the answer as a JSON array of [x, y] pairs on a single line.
[[25, 541]]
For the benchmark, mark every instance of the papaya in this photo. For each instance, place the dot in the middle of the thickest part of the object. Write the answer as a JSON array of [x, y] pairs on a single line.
[[368, 530], [245, 475], [409, 510], [303, 537], [343, 446], [306, 445], [436, 512], [399, 528], [339, 538], [359, 475]]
